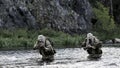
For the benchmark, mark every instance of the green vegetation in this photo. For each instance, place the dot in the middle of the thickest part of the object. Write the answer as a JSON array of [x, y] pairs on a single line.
[[105, 21], [105, 28], [25, 39]]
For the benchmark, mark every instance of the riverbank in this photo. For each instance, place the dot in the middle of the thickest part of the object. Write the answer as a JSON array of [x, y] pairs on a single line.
[[25, 39]]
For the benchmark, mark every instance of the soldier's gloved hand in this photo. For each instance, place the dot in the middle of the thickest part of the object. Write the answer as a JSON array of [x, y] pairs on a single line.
[[33, 48], [41, 47], [85, 48], [89, 46]]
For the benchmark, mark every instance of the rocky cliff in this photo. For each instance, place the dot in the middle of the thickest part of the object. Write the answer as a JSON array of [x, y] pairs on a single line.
[[72, 16]]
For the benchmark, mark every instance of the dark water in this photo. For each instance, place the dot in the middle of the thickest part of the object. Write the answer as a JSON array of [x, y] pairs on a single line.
[[64, 58]]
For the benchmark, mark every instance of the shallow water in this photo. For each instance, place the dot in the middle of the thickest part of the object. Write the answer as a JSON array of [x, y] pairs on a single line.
[[64, 58]]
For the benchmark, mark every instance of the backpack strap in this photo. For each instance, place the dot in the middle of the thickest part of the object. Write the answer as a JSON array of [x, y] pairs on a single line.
[[53, 51], [49, 41]]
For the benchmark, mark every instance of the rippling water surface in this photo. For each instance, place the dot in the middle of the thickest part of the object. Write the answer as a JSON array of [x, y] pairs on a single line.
[[64, 58]]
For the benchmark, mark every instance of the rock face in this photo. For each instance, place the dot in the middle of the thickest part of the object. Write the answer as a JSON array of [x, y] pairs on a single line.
[[71, 16], [14, 13]]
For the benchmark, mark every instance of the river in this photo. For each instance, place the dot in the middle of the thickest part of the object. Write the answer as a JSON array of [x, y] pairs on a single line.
[[64, 58]]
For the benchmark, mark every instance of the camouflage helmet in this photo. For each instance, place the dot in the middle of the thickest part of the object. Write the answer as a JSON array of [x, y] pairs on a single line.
[[41, 38]]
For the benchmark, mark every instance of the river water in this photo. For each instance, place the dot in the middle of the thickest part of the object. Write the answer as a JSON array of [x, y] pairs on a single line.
[[64, 58]]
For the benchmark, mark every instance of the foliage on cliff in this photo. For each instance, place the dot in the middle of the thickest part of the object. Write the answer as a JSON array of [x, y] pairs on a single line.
[[105, 21]]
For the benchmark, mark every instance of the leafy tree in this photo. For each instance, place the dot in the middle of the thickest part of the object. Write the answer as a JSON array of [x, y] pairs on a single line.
[[105, 21]]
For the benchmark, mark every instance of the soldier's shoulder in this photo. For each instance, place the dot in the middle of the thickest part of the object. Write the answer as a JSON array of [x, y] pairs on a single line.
[[48, 42]]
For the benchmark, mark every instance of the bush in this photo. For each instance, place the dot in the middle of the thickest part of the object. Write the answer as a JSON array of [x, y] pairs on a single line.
[[102, 35], [23, 38]]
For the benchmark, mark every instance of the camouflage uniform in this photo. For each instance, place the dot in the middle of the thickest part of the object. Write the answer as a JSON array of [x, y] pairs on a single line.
[[46, 49], [93, 46]]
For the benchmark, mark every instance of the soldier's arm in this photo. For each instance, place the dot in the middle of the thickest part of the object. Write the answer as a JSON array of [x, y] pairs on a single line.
[[48, 46], [84, 43], [35, 45], [98, 44]]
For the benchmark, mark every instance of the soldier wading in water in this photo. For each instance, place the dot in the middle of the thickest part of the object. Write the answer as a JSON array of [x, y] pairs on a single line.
[[45, 47], [93, 46]]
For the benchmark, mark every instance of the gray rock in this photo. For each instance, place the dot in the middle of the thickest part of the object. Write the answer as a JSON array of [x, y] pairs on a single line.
[[108, 42], [116, 40], [1, 23], [15, 14], [113, 41], [71, 16]]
